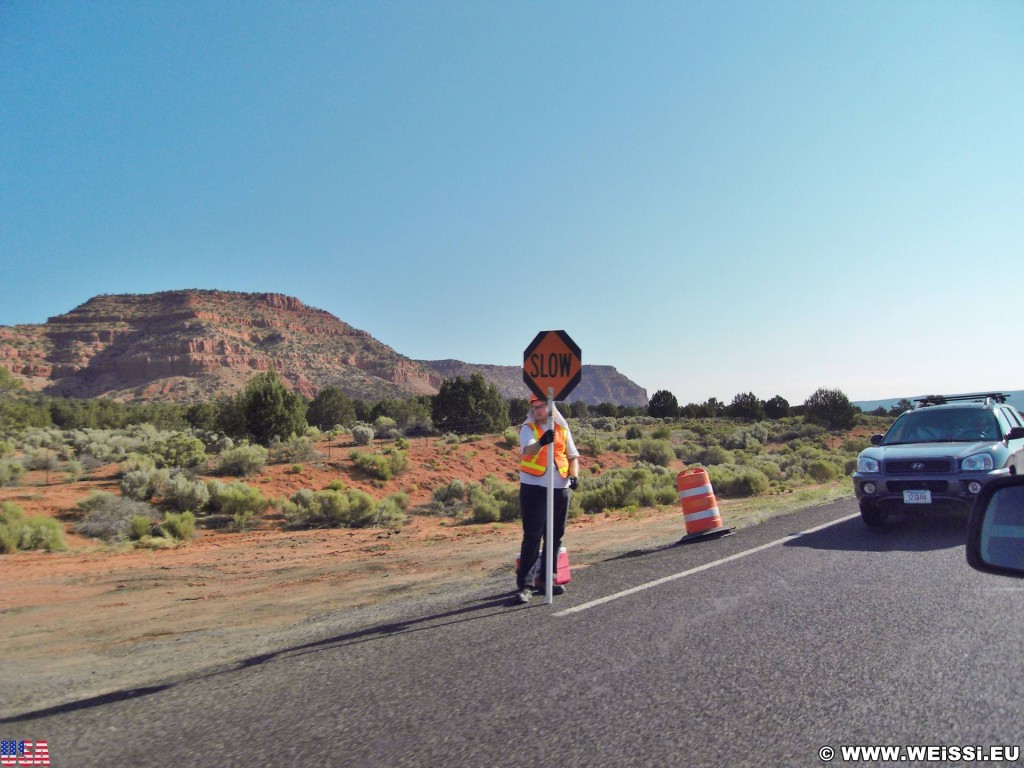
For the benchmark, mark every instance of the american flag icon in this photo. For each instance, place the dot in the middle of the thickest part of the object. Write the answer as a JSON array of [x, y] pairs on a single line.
[[22, 753]]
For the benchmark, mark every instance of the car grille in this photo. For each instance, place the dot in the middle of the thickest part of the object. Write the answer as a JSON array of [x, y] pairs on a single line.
[[899, 486], [919, 466]]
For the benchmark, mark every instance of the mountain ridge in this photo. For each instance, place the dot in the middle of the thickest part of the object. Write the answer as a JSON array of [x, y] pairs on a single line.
[[197, 344]]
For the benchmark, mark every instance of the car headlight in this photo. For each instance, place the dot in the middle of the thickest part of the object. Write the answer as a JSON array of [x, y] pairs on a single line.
[[977, 463], [866, 464]]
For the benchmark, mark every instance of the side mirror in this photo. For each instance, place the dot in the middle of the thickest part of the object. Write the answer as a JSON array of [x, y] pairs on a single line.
[[995, 529], [876, 439], [1017, 433]]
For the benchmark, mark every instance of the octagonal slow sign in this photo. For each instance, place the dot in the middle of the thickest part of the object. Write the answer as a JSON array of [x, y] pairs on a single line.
[[552, 360]]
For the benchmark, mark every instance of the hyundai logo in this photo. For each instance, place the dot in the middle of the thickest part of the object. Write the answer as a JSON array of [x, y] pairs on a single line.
[[917, 466]]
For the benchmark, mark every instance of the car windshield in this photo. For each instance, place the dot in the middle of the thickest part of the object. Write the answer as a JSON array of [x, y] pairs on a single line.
[[942, 426]]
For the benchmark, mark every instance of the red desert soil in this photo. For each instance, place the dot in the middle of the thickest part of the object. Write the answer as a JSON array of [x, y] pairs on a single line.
[[66, 617]]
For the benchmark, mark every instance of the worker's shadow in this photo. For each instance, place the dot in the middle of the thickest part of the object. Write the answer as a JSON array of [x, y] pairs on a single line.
[[490, 605]]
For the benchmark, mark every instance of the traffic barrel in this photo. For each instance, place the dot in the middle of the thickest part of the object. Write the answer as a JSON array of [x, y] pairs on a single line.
[[700, 508]]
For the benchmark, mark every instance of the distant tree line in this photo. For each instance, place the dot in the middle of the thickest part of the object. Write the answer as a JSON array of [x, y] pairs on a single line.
[[265, 410]]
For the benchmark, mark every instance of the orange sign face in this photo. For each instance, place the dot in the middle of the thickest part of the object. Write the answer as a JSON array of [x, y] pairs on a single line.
[[552, 360]]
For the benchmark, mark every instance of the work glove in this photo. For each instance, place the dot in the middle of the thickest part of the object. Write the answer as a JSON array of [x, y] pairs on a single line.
[[574, 483], [547, 438]]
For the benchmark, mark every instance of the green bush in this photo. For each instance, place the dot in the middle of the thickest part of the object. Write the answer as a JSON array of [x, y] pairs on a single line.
[[242, 460], [634, 433], [715, 454], [455, 491], [140, 526], [234, 498], [730, 480], [36, 532], [657, 452], [493, 501], [639, 486], [374, 464], [179, 526], [341, 509], [391, 511], [511, 437], [822, 471], [178, 450], [10, 472], [385, 428]]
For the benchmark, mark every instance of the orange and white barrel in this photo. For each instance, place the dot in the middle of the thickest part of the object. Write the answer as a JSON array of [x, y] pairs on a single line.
[[697, 497]]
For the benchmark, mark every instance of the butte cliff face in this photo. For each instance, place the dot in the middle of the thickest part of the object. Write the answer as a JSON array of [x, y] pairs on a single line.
[[197, 344]]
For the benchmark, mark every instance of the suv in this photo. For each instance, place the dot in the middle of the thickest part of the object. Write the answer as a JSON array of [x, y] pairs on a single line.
[[943, 451]]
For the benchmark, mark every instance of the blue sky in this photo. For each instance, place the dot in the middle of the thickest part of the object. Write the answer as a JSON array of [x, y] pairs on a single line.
[[714, 197]]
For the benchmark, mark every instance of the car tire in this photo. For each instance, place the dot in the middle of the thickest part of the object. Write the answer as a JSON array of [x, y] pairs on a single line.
[[872, 516]]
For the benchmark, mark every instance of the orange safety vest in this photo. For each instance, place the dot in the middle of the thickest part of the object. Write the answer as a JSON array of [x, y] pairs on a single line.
[[537, 464]]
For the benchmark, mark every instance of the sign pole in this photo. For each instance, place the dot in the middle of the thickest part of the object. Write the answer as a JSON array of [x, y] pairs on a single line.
[[552, 366], [550, 534]]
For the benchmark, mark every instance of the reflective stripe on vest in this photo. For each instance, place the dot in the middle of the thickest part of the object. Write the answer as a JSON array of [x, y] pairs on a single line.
[[537, 464]]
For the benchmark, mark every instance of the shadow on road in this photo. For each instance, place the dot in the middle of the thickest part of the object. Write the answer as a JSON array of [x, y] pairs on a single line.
[[491, 605], [903, 532]]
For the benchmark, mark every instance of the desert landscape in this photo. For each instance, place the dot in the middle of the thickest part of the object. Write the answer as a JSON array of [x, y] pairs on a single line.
[[101, 618]]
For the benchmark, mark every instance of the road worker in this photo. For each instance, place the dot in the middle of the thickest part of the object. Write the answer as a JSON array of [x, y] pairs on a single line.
[[535, 440]]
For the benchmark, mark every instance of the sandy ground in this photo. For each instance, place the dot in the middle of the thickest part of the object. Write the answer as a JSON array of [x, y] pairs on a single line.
[[100, 619]]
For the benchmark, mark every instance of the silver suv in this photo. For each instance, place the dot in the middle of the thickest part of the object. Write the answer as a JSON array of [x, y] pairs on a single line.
[[944, 451]]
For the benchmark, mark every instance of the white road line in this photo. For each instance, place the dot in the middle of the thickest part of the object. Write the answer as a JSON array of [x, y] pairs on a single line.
[[699, 568]]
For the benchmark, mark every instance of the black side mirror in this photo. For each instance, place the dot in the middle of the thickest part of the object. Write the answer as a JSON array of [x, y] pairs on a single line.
[[876, 439], [995, 529], [1017, 433]]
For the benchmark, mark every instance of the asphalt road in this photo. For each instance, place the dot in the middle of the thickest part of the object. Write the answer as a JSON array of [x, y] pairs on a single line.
[[838, 637]]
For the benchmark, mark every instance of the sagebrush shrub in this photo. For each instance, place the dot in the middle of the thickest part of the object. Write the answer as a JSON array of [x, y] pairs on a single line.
[[142, 484], [234, 498], [295, 450], [17, 531], [183, 493], [329, 509], [822, 471], [178, 450], [109, 517], [242, 460], [658, 452], [179, 526], [10, 472], [362, 434], [715, 454], [731, 480]]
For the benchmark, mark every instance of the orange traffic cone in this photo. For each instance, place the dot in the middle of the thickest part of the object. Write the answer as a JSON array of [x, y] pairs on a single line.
[[700, 509]]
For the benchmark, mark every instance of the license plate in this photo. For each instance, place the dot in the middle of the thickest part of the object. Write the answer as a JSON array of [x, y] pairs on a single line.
[[917, 497]]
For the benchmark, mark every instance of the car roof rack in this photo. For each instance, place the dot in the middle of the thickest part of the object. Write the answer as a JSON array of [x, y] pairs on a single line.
[[987, 397]]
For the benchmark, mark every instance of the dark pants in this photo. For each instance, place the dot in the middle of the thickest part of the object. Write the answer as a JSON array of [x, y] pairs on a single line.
[[533, 508]]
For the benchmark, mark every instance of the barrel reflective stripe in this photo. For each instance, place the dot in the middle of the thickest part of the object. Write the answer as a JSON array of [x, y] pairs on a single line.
[[693, 516], [703, 490]]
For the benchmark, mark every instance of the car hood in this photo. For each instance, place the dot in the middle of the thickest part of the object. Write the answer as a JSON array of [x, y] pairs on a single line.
[[927, 450]]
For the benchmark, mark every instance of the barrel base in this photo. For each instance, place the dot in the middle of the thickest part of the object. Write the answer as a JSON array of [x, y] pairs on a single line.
[[712, 533]]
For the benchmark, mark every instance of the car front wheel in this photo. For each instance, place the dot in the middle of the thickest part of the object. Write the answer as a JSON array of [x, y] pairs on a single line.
[[872, 515]]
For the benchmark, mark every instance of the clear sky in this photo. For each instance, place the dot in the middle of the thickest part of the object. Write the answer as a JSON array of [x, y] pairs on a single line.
[[714, 197]]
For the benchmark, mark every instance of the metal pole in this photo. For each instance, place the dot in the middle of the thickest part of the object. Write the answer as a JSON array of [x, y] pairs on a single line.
[[548, 555]]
